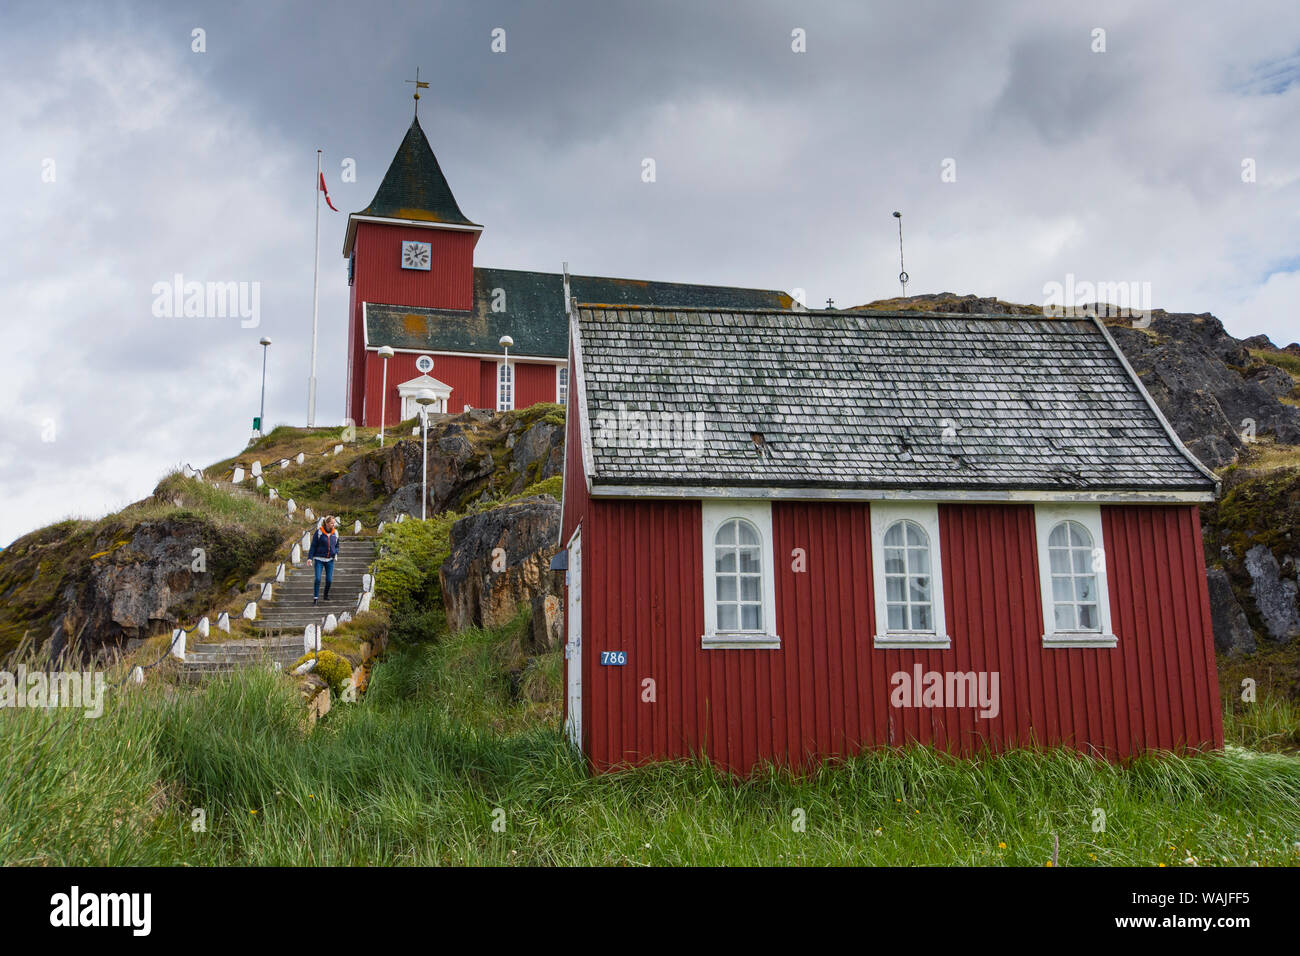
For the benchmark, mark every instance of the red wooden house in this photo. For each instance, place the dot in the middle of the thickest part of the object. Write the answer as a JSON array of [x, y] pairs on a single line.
[[793, 536], [415, 289]]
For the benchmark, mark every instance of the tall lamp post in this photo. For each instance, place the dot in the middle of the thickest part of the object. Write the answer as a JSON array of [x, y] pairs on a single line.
[[425, 397], [261, 413], [385, 353], [505, 342]]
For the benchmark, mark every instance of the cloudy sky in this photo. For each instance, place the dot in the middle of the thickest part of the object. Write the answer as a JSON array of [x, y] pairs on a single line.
[[127, 157]]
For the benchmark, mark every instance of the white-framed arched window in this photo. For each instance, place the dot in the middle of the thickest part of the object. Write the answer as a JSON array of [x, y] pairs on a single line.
[[907, 575], [1072, 576], [739, 576], [1074, 582], [909, 586]]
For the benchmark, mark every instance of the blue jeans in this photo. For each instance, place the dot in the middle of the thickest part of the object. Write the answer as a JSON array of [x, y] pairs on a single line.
[[328, 567]]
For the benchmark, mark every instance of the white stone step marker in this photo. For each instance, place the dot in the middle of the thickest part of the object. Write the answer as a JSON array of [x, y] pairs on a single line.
[[311, 638], [301, 458], [223, 622], [367, 583], [272, 494], [178, 644], [279, 573], [295, 556], [259, 481], [364, 603], [137, 674], [203, 626], [331, 623], [238, 476], [345, 617], [337, 449], [309, 514], [266, 592], [291, 505], [356, 527], [255, 469], [250, 610], [305, 667]]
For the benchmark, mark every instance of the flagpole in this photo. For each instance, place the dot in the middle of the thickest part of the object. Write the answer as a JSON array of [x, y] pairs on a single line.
[[315, 302]]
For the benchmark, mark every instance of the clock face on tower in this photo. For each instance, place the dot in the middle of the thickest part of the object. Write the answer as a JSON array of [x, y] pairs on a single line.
[[416, 255]]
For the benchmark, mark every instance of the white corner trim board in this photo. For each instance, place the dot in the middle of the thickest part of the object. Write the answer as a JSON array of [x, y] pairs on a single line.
[[1079, 583], [758, 516], [908, 632]]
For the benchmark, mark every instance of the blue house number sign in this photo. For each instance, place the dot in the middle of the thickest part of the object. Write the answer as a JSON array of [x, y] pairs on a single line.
[[614, 658]]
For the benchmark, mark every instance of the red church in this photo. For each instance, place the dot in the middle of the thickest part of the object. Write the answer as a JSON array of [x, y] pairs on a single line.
[[416, 290], [794, 536]]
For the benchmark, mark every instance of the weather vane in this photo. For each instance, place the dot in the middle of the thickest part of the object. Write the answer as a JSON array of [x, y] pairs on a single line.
[[418, 86]]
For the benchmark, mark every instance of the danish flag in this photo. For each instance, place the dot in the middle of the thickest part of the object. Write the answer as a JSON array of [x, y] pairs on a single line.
[[327, 193]]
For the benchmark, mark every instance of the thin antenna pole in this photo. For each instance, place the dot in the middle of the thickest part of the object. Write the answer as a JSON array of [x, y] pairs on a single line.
[[902, 272], [315, 303]]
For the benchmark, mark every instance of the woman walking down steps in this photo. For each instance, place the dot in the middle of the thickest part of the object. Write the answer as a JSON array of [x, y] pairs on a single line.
[[324, 549]]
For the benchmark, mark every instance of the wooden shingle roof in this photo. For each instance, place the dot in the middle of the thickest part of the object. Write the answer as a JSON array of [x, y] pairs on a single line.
[[859, 400]]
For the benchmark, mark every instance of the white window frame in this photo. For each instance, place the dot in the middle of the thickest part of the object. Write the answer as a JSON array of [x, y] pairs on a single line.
[[1047, 517], [716, 513], [562, 388], [509, 385], [925, 514]]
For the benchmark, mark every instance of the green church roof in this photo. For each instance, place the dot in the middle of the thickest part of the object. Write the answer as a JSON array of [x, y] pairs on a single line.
[[414, 186], [531, 311]]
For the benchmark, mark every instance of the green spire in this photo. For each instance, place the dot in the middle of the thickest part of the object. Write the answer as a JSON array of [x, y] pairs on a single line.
[[414, 186]]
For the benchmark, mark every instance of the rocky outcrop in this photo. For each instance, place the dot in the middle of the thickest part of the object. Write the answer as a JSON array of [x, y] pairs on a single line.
[[474, 456], [1275, 596], [150, 579], [500, 562], [1209, 386], [1232, 633]]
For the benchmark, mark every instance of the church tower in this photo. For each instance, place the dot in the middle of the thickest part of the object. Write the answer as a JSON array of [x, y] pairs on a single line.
[[411, 245]]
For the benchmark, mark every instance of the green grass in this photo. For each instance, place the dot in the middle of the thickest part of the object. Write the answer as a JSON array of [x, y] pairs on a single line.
[[444, 739], [1283, 360]]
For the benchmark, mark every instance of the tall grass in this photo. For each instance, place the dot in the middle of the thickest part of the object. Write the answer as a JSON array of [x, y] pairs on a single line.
[[440, 749]]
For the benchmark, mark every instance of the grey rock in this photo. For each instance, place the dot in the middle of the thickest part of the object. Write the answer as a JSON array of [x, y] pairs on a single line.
[[1232, 633], [484, 587], [1208, 384], [1275, 596]]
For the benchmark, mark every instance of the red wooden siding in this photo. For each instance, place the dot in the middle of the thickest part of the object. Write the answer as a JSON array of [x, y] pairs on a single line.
[[533, 384], [1158, 598], [826, 692], [487, 384], [575, 477], [379, 276]]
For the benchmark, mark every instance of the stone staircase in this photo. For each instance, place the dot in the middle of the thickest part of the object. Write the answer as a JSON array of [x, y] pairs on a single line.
[[291, 609], [284, 618], [207, 660]]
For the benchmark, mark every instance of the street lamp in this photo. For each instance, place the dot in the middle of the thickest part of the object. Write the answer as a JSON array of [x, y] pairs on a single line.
[[385, 353], [261, 415], [505, 342], [425, 397]]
